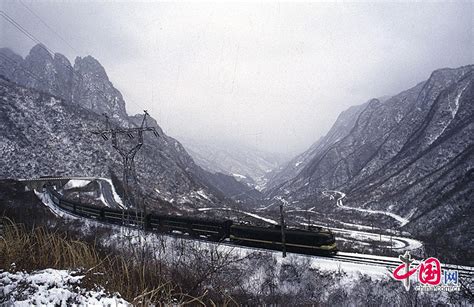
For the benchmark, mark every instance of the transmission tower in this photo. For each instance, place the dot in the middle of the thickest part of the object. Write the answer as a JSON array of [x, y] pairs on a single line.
[[126, 152]]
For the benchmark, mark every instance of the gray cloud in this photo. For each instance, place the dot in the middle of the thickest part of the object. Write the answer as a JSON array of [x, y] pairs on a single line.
[[271, 75]]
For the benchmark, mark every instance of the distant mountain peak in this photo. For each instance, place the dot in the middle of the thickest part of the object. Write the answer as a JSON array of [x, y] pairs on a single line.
[[39, 50], [8, 52], [59, 58], [54, 132], [90, 64], [411, 155]]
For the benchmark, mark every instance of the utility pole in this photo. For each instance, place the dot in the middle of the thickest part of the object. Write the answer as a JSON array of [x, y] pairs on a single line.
[[282, 226], [127, 153]]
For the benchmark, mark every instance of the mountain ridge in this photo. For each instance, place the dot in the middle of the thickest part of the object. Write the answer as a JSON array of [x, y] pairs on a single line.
[[411, 155], [244, 163], [86, 86]]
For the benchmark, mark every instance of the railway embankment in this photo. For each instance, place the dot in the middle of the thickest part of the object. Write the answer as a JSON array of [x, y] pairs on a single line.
[[127, 261]]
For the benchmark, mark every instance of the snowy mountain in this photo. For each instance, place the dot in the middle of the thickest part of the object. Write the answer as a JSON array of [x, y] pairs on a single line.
[[48, 111], [341, 127], [411, 155], [247, 165], [85, 84]]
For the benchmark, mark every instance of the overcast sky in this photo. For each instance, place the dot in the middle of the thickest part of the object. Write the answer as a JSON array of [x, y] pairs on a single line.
[[271, 75]]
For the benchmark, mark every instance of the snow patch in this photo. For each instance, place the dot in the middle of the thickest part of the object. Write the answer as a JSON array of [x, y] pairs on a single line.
[[267, 220], [53, 288], [403, 221], [454, 109], [75, 183], [117, 198], [203, 194], [48, 202], [239, 176]]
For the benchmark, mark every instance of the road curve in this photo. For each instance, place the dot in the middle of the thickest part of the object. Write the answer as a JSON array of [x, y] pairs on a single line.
[[403, 221]]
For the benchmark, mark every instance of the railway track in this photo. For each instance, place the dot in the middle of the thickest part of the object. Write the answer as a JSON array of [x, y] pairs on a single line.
[[363, 259], [392, 263]]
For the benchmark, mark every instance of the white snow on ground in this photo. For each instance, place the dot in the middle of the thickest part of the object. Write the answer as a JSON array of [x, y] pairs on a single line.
[[239, 176], [117, 198], [376, 272], [453, 110], [184, 199], [358, 226], [323, 263], [203, 194], [165, 197], [266, 207], [375, 257], [284, 201], [456, 101], [48, 202], [53, 288], [136, 238], [396, 242], [80, 183], [300, 210], [102, 198], [104, 201], [74, 183], [339, 203], [270, 221], [339, 239]]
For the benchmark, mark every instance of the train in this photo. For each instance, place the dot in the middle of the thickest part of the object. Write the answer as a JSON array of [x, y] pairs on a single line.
[[310, 242]]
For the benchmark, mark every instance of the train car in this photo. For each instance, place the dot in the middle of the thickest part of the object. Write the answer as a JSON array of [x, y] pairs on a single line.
[[214, 230], [301, 241], [109, 215], [319, 242]]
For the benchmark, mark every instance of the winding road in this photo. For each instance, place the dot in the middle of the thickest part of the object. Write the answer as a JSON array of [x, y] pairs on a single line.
[[348, 261], [396, 242], [109, 197], [339, 203]]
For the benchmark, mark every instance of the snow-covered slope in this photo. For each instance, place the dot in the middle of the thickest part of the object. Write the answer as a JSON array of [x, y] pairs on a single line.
[[247, 165], [48, 111], [341, 128], [411, 155], [52, 287]]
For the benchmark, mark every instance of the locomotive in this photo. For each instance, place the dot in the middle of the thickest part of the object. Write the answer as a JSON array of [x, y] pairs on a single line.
[[314, 242], [318, 242]]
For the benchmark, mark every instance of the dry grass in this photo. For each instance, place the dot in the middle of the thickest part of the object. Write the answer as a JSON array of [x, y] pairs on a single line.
[[40, 248], [138, 278]]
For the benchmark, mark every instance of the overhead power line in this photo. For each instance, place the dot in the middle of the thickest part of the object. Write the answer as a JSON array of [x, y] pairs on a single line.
[[44, 47], [12, 61], [24, 31], [127, 154], [47, 26]]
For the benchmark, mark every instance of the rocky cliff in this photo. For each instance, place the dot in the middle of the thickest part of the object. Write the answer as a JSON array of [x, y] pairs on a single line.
[[411, 155], [48, 111]]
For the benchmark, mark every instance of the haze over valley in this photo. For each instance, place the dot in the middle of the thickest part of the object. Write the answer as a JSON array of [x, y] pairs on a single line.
[[221, 153]]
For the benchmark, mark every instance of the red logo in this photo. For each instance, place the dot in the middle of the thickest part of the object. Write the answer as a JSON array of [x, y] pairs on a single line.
[[429, 271]]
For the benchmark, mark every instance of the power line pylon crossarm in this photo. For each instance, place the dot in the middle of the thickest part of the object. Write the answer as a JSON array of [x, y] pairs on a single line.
[[127, 154]]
